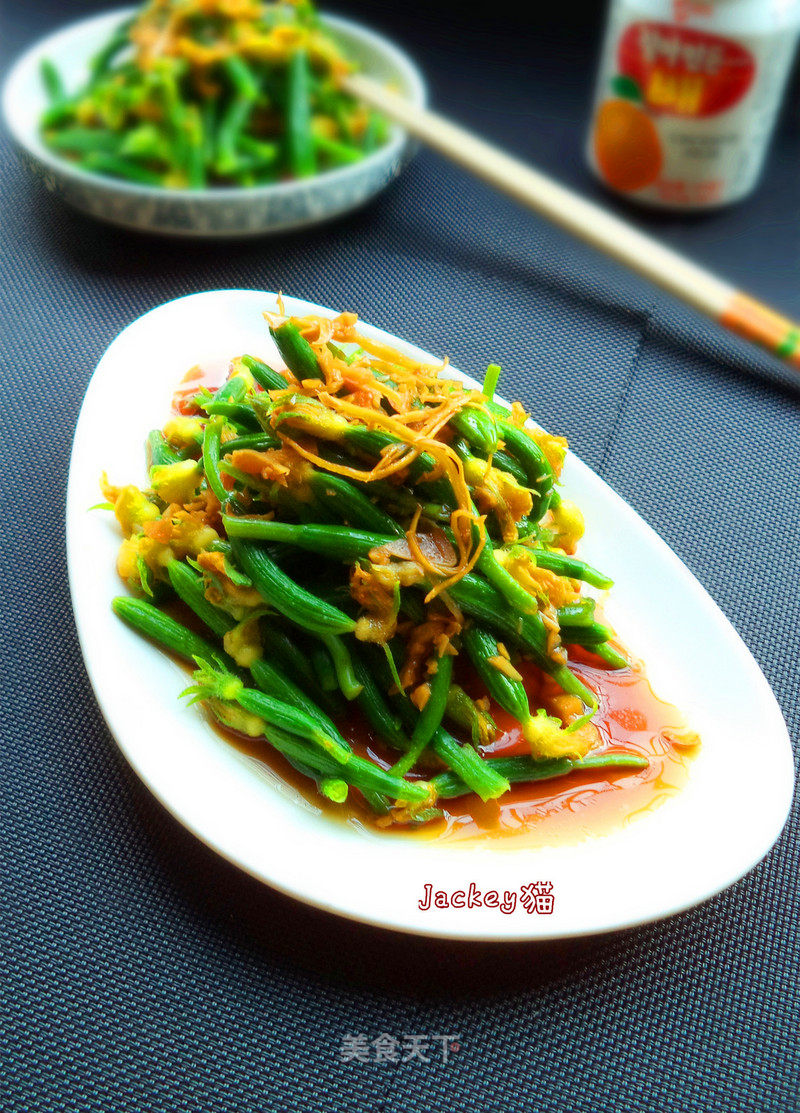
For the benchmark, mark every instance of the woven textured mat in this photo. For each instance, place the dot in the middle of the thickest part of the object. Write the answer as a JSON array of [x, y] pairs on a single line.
[[142, 973]]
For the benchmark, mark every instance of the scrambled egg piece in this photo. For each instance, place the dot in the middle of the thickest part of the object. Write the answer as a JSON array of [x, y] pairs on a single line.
[[548, 738], [237, 718], [237, 599], [498, 491], [176, 482], [545, 585], [567, 523], [184, 432], [243, 642]]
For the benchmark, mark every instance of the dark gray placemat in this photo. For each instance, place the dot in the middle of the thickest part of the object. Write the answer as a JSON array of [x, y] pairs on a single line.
[[141, 972]]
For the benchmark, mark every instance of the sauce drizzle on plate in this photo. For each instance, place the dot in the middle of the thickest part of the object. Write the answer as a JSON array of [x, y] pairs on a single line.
[[631, 719]]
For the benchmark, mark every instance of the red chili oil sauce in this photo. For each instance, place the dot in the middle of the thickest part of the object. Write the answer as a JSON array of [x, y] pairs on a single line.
[[210, 374], [630, 719]]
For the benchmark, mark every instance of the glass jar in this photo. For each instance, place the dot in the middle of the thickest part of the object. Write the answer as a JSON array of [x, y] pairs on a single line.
[[687, 97]]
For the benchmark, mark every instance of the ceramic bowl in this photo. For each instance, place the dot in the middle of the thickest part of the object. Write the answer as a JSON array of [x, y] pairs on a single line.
[[217, 212]]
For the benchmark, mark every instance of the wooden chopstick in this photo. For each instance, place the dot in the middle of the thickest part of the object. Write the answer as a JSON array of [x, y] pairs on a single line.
[[675, 273]]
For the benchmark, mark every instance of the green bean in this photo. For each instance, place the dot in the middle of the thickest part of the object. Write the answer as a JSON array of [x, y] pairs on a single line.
[[358, 772], [258, 442], [82, 140], [482, 601], [343, 664], [275, 682], [478, 428], [540, 476], [261, 154], [62, 112], [588, 634], [209, 125], [114, 166], [580, 613], [350, 504], [517, 595], [330, 786], [400, 501], [359, 439], [612, 657], [266, 378], [232, 390], [464, 712], [244, 94], [164, 78], [299, 140], [281, 592], [237, 412], [489, 783], [242, 77], [279, 646], [284, 502], [509, 692], [101, 62], [463, 759], [297, 353], [161, 628], [218, 684], [528, 530], [507, 463], [336, 542], [473, 595], [211, 453], [195, 162], [189, 586], [338, 153], [524, 769], [369, 140], [324, 668], [375, 708], [431, 715], [372, 781], [145, 143], [214, 126], [373, 442], [333, 789], [564, 565], [226, 160], [268, 676], [158, 451], [51, 79]]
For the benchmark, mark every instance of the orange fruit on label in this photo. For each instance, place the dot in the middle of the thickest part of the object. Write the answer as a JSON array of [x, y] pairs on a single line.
[[626, 145]]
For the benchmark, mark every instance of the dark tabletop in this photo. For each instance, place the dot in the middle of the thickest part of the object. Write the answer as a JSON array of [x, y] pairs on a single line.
[[143, 973]]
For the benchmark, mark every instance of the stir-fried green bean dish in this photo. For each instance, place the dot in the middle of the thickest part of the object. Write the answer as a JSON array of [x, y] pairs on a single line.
[[357, 528], [195, 93]]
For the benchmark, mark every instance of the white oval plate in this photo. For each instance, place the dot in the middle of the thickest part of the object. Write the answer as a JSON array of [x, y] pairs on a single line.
[[219, 211], [693, 846]]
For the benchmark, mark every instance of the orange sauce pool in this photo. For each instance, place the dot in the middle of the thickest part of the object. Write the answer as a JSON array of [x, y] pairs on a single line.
[[630, 719]]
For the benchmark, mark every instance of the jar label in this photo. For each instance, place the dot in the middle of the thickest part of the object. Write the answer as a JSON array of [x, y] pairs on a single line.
[[684, 72], [683, 114]]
